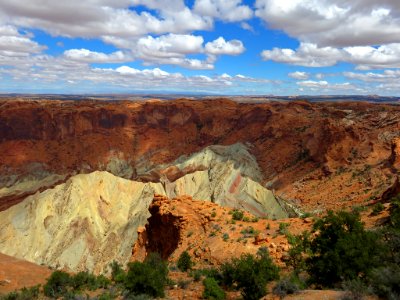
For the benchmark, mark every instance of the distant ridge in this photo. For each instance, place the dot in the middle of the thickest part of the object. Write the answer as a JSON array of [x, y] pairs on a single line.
[[200, 96]]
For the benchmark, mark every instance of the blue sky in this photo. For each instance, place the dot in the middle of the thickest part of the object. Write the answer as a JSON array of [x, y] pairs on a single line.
[[281, 47]]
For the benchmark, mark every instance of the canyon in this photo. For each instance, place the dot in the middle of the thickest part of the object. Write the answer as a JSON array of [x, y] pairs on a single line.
[[78, 179], [314, 155]]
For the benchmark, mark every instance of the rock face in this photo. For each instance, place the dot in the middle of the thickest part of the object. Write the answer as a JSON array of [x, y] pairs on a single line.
[[317, 155], [92, 219], [226, 175], [184, 223], [395, 159], [82, 224], [206, 230]]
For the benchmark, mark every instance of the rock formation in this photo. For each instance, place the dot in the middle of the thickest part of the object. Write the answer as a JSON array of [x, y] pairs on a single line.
[[316, 155], [84, 223], [92, 219]]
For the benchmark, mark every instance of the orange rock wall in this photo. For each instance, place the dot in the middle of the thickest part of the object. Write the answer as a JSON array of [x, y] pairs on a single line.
[[299, 146]]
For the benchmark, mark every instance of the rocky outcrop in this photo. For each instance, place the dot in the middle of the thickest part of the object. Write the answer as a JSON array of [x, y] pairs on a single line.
[[226, 175], [83, 224], [211, 235], [395, 157], [92, 219], [182, 223], [207, 231]]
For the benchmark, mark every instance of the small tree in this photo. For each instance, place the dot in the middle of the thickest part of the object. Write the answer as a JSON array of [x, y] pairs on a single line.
[[149, 277], [184, 262], [117, 273], [250, 274], [341, 249], [57, 284], [299, 249], [212, 290]]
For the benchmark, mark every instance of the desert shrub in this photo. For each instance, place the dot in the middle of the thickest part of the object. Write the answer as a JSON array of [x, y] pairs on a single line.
[[283, 228], [23, 294], [378, 207], [285, 286], [250, 274], [341, 249], [117, 273], [86, 280], [102, 282], [306, 215], [385, 281], [356, 289], [250, 231], [106, 296], [211, 273], [237, 215], [212, 290], [183, 284], [57, 284], [149, 277], [184, 262], [395, 212], [72, 295], [299, 249], [196, 274], [10, 296]]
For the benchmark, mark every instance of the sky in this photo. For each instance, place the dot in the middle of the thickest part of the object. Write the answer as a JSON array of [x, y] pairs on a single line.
[[227, 47]]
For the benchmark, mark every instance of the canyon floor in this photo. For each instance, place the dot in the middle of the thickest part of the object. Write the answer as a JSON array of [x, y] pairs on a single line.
[[84, 183]]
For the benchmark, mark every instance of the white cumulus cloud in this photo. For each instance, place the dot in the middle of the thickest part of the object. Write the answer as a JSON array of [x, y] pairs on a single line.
[[87, 56], [299, 75], [335, 23], [220, 46], [227, 10]]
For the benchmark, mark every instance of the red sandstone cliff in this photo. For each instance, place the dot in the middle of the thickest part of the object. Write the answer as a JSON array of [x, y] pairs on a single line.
[[318, 155]]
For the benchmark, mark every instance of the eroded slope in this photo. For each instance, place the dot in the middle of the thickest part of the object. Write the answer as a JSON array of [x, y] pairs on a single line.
[[92, 219]]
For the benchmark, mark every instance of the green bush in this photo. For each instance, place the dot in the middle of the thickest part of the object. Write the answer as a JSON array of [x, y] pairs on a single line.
[[23, 294], [184, 262], [385, 281], [196, 274], [212, 290], [237, 215], [106, 296], [299, 248], [149, 277], [117, 273], [341, 249], [395, 212], [57, 284], [355, 289], [283, 228], [88, 281], [250, 274], [209, 273], [378, 207], [285, 286]]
